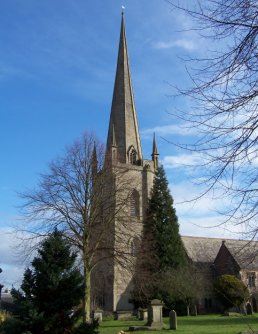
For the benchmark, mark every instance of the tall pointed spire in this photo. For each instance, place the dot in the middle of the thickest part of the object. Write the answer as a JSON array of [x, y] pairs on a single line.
[[94, 161], [155, 154], [123, 123]]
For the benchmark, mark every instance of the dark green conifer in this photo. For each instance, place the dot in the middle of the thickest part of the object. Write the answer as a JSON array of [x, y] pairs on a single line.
[[162, 248], [162, 223], [50, 289]]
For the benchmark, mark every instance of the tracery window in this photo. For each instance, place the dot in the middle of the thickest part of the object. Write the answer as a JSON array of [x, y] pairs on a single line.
[[133, 156], [132, 153]]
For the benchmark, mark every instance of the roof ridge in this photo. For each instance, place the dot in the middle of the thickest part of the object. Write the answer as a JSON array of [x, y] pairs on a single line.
[[217, 238]]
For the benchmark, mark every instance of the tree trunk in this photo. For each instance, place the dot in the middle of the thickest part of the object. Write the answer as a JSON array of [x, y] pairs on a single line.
[[86, 297], [188, 310]]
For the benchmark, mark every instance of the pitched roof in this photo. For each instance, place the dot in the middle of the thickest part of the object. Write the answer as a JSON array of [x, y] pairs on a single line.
[[201, 249], [245, 253]]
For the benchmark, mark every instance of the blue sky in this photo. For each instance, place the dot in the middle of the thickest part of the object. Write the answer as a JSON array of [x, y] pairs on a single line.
[[57, 69]]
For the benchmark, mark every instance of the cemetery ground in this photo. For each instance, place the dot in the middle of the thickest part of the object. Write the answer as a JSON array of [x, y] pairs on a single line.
[[202, 324]]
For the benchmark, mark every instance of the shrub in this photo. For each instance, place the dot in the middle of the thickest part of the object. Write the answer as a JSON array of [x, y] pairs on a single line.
[[230, 291], [3, 316], [12, 326], [87, 328]]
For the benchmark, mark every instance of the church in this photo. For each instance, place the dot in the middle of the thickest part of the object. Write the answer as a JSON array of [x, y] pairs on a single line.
[[112, 282]]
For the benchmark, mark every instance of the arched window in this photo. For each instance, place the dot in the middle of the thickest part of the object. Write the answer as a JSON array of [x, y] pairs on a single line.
[[133, 157], [134, 246], [132, 153], [134, 204]]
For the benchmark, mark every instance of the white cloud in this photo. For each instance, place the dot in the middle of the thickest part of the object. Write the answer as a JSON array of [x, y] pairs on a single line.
[[185, 44], [11, 262], [7, 246], [200, 217], [182, 160], [12, 275], [172, 129], [211, 227], [190, 202]]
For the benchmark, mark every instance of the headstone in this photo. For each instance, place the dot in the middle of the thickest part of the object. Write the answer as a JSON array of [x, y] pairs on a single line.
[[97, 315], [122, 315], [172, 320], [249, 309], [155, 314], [143, 314]]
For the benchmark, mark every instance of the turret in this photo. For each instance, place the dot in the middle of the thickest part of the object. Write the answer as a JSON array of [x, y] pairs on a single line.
[[155, 154]]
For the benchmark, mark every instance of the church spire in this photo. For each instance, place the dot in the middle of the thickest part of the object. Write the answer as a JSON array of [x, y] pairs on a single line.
[[123, 125]]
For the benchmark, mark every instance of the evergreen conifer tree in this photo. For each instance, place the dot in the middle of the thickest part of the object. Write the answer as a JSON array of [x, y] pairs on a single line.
[[162, 247], [166, 247], [49, 290]]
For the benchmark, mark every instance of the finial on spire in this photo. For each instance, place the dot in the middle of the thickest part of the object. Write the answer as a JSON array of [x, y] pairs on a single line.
[[123, 9]]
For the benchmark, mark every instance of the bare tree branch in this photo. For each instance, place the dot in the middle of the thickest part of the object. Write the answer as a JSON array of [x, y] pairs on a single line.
[[85, 198], [224, 112]]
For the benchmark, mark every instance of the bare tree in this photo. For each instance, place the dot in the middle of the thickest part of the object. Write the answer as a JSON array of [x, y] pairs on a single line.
[[82, 195], [186, 284], [225, 89]]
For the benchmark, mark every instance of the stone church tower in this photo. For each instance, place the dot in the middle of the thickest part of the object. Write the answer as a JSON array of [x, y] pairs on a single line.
[[124, 152]]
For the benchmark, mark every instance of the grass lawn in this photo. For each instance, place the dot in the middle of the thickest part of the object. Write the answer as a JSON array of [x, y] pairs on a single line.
[[202, 324]]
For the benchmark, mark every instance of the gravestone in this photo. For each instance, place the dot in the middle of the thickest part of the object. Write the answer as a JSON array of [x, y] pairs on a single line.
[[172, 320], [143, 314], [249, 309], [155, 314], [97, 315], [122, 315]]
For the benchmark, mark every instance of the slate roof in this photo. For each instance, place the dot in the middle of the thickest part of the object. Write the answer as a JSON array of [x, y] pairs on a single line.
[[205, 250], [245, 253], [200, 249]]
